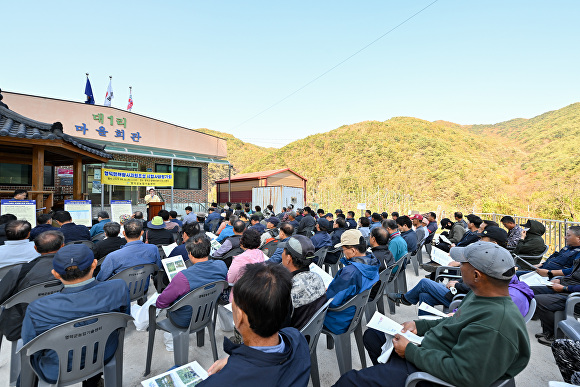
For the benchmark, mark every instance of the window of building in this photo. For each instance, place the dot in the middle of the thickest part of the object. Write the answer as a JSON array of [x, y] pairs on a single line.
[[183, 177], [21, 174]]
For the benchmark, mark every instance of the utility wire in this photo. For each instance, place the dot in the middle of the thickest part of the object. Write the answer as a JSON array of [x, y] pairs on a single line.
[[335, 66]]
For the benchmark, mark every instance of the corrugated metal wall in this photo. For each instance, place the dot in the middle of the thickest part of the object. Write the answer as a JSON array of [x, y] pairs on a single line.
[[278, 196]]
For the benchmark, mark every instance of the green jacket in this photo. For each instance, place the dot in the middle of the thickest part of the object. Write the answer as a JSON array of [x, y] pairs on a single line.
[[456, 232], [533, 244], [484, 341]]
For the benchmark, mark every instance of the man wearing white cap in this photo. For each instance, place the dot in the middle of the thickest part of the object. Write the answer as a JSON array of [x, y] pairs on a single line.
[[360, 272], [485, 340]]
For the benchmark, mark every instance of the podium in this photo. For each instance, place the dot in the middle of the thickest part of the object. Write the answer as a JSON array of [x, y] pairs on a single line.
[[154, 208]]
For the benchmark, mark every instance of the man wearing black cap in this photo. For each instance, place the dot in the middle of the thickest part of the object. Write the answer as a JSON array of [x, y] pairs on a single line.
[[308, 290], [484, 341], [271, 230], [82, 296], [321, 238]]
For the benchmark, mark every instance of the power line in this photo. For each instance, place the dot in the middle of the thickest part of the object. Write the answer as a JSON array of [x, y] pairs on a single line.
[[335, 66]]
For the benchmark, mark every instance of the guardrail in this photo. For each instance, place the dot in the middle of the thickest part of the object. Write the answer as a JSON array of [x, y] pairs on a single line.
[[554, 237]]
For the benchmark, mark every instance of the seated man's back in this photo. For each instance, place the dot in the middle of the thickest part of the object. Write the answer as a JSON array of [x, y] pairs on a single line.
[[133, 253], [17, 248], [82, 296], [156, 233], [23, 276], [201, 272]]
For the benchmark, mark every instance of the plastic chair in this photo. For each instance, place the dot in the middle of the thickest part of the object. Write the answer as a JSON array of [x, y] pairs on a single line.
[[85, 338], [137, 280], [202, 301], [417, 257], [561, 315], [229, 256], [377, 302], [395, 269], [4, 270], [311, 331], [569, 326], [307, 231], [449, 272], [99, 237], [531, 311], [333, 267], [320, 254], [401, 281], [26, 296], [416, 377], [89, 244], [342, 341], [455, 303], [270, 247], [533, 259], [214, 225]]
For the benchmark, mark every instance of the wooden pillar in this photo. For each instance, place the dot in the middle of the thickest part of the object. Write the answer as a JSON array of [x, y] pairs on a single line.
[[38, 174], [78, 179]]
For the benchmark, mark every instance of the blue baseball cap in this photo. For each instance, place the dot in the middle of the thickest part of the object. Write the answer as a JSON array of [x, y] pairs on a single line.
[[72, 255]]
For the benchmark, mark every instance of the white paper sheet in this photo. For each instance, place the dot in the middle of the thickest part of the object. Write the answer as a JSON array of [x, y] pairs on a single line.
[[429, 309], [326, 278], [382, 323], [184, 376], [441, 257], [534, 279], [173, 266], [169, 248]]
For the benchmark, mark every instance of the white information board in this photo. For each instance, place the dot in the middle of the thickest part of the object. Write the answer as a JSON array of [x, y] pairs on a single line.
[[361, 206], [80, 211], [22, 209], [120, 207]]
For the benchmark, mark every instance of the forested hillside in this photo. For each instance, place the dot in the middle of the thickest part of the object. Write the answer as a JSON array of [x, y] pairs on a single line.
[[518, 166]]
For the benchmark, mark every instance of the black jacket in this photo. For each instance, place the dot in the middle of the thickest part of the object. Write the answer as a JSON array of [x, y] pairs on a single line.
[[158, 236], [74, 232], [384, 255], [106, 246], [533, 244]]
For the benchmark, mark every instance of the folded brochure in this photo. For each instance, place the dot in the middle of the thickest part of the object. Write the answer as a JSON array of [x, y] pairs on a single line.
[[384, 324], [173, 266], [188, 375]]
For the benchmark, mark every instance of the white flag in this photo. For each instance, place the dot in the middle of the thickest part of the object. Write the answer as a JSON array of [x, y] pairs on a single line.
[[109, 95]]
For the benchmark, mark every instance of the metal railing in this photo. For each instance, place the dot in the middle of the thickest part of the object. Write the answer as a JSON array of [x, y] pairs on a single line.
[[180, 207], [554, 237]]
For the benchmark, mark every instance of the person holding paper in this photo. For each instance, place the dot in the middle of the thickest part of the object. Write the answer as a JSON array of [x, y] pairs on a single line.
[[308, 290], [484, 341], [360, 272], [200, 273], [189, 230], [133, 253], [271, 355]]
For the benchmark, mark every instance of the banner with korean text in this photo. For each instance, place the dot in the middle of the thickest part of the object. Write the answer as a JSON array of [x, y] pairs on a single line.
[[135, 178]]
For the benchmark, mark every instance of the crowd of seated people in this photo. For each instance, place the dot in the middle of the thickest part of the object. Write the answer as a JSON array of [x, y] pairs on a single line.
[[273, 297]]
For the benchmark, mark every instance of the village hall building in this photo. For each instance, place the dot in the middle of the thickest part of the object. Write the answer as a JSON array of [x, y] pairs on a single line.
[[137, 143]]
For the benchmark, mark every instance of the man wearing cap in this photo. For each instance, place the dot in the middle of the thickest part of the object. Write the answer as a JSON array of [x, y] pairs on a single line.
[[308, 290], [420, 230], [485, 340], [133, 253], [360, 272], [156, 233], [321, 238], [435, 293], [271, 230], [81, 296]]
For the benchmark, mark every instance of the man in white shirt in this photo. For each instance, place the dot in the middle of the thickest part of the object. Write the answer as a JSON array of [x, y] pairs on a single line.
[[17, 248]]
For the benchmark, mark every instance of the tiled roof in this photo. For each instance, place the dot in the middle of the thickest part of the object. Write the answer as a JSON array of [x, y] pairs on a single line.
[[15, 125], [258, 175]]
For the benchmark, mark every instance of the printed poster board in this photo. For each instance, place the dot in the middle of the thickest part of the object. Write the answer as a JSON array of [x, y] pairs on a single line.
[[120, 207], [22, 209], [80, 211]]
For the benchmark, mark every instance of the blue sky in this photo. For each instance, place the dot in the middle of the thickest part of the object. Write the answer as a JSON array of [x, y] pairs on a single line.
[[217, 64]]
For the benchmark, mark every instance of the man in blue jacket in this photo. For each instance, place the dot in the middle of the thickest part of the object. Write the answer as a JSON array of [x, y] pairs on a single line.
[[133, 253], [270, 356], [103, 218], [360, 272], [321, 237], [82, 296]]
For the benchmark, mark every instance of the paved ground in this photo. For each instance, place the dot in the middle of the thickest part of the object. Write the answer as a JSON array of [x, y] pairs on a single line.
[[539, 371]]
